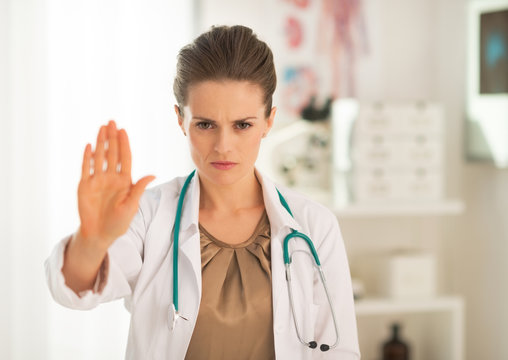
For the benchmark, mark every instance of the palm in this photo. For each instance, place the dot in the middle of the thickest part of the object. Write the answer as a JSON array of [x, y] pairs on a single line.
[[101, 202], [107, 199]]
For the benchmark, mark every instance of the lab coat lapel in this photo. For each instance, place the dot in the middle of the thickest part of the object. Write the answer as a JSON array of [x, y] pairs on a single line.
[[190, 253], [281, 223], [280, 219]]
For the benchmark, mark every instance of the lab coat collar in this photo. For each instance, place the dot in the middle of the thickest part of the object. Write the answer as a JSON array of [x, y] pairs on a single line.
[[190, 210], [280, 219]]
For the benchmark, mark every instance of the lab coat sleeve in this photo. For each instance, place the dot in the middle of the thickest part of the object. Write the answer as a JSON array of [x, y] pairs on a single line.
[[335, 266], [117, 275]]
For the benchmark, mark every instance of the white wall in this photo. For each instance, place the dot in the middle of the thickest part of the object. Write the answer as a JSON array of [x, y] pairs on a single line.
[[5, 283], [477, 241], [65, 68], [108, 60], [24, 158], [478, 246]]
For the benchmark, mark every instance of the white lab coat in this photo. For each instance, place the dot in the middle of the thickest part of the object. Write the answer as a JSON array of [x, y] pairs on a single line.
[[138, 268]]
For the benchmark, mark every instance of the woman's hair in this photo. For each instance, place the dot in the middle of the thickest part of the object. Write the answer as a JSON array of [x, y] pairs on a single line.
[[225, 53]]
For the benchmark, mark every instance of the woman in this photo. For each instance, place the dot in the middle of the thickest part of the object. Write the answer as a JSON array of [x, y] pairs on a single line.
[[231, 300]]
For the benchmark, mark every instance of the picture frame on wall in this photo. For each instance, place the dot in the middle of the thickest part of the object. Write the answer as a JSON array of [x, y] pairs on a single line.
[[487, 83]]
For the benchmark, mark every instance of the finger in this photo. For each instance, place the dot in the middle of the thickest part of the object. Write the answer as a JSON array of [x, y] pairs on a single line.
[[112, 152], [85, 173], [99, 151], [125, 156], [139, 188]]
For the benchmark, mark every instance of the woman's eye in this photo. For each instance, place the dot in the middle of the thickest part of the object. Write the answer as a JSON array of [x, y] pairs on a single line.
[[243, 125], [204, 125]]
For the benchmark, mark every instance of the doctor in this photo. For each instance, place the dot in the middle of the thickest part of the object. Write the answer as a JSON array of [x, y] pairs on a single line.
[[232, 295]]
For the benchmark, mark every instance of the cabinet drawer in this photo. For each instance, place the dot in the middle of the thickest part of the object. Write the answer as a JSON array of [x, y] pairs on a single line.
[[373, 184]]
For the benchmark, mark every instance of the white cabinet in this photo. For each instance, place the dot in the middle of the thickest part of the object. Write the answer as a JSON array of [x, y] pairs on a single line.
[[433, 329]]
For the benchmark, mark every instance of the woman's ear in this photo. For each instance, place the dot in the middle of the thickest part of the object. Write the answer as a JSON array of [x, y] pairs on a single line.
[[179, 114], [269, 121]]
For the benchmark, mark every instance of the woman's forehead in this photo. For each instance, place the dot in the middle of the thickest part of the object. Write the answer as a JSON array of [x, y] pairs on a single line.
[[218, 99], [235, 88]]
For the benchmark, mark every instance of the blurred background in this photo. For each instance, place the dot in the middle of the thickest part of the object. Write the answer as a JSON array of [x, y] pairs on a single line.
[[392, 113]]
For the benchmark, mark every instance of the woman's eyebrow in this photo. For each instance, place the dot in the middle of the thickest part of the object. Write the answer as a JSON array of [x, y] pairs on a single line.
[[213, 121]]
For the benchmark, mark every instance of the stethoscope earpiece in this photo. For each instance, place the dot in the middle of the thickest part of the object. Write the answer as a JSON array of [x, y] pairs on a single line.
[[288, 259], [324, 347]]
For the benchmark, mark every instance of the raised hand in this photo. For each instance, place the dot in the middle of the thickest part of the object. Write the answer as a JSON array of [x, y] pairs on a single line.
[[107, 199], [107, 203]]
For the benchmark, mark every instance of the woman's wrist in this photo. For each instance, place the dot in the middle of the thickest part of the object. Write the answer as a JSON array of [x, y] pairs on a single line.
[[90, 248], [82, 261]]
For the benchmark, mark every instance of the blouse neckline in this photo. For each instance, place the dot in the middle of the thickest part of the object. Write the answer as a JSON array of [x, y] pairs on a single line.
[[243, 244]]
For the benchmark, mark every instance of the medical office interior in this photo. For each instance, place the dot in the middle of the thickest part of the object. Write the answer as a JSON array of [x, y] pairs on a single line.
[[393, 113]]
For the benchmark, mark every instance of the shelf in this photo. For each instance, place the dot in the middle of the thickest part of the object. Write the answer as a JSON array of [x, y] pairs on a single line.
[[383, 306], [414, 208], [387, 208], [434, 327]]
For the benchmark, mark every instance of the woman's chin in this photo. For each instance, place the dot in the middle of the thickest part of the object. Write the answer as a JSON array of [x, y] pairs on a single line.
[[222, 177]]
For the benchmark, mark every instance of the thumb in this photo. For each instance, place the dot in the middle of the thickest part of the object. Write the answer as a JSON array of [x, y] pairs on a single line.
[[139, 188]]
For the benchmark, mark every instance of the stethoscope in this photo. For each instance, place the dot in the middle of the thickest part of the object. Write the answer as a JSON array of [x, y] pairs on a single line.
[[174, 314]]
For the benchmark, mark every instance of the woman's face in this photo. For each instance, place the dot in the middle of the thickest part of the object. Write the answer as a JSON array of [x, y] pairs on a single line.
[[225, 122]]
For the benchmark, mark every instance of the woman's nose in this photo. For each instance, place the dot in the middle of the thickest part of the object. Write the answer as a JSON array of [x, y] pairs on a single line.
[[223, 141]]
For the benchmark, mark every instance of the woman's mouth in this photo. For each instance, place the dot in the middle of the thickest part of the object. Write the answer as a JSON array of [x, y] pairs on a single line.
[[223, 165]]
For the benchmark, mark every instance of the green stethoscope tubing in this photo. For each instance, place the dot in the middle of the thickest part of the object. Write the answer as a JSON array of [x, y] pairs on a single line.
[[176, 235], [287, 262]]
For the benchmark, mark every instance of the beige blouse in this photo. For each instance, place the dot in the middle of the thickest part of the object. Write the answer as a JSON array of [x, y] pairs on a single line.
[[235, 319]]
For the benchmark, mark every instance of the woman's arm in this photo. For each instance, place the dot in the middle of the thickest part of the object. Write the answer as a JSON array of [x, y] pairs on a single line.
[[81, 263], [116, 276]]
